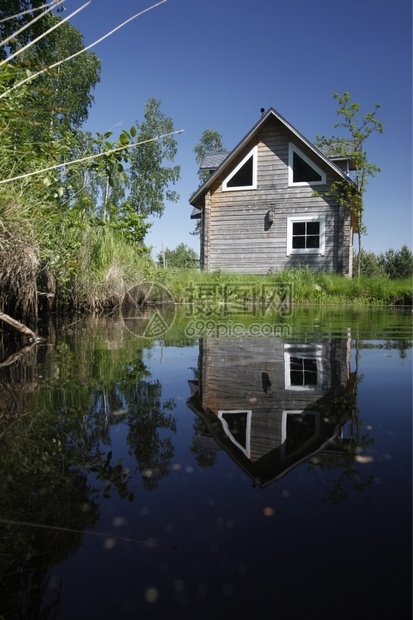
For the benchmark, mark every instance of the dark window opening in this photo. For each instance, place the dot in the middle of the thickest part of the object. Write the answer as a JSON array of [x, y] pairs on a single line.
[[303, 172], [303, 372], [306, 235], [300, 428], [237, 426], [244, 176]]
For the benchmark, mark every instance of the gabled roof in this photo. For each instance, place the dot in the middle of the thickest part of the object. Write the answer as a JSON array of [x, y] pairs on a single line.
[[212, 161], [227, 161], [339, 151]]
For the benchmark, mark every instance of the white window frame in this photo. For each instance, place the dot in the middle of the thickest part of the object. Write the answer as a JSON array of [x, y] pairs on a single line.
[[304, 351], [294, 149], [245, 449], [306, 218], [225, 187]]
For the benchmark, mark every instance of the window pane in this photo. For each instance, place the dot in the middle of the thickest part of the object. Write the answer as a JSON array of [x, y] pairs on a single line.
[[303, 172], [243, 178], [296, 371], [298, 228], [310, 372], [298, 243], [313, 241], [313, 228]]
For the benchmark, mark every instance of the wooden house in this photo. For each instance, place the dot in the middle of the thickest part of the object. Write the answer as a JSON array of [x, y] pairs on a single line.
[[264, 206], [272, 404]]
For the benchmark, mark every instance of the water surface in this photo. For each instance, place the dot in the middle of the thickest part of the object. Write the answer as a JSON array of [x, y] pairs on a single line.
[[211, 476]]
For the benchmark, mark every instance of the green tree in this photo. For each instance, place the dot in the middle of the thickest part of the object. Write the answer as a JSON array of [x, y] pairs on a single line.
[[370, 265], [16, 14], [397, 263], [182, 257], [60, 98], [358, 130], [210, 142], [149, 177]]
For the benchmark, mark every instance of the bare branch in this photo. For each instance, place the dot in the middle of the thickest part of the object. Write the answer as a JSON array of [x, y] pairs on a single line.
[[23, 329]]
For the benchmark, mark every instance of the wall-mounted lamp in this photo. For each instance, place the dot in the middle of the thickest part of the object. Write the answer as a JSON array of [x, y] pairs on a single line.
[[270, 214]]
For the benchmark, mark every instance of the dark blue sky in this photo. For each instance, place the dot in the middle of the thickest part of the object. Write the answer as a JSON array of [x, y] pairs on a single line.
[[215, 64]]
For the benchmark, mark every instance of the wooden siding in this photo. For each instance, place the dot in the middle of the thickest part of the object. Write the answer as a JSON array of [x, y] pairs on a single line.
[[231, 379], [238, 237]]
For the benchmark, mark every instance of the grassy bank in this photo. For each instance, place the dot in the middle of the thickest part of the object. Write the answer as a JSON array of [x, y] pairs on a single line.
[[95, 271], [301, 286]]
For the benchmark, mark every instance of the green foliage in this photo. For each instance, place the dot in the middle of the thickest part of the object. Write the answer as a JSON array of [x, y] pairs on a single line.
[[149, 178], [397, 263], [358, 129], [210, 142], [393, 264], [370, 265], [80, 226], [60, 98], [182, 257], [20, 14]]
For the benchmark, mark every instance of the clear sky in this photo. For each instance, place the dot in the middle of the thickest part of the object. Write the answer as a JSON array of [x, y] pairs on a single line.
[[215, 63]]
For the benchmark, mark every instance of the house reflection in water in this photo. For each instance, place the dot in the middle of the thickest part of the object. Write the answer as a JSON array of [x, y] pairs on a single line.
[[273, 404]]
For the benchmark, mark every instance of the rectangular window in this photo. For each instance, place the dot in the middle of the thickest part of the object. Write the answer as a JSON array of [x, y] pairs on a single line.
[[305, 235], [303, 366]]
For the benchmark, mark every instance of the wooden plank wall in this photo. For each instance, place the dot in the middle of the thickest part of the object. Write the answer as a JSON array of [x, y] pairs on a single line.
[[231, 379], [240, 239]]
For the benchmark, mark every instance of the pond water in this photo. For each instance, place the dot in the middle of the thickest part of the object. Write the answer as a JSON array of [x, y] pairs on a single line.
[[202, 475]]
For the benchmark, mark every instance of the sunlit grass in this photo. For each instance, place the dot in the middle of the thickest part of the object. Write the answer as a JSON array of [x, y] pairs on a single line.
[[305, 285]]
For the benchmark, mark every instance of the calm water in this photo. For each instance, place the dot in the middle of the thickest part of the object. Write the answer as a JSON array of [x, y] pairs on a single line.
[[205, 476]]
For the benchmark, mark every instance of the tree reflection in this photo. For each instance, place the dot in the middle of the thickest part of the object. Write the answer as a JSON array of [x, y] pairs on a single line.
[[341, 462], [202, 448], [38, 487], [58, 404], [147, 418]]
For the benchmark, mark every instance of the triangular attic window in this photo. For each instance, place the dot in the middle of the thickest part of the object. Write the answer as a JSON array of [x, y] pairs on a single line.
[[303, 171], [237, 425], [244, 175]]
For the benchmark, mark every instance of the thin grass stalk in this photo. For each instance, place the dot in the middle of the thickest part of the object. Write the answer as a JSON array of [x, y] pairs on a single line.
[[26, 47], [85, 49], [52, 6], [90, 157], [32, 10]]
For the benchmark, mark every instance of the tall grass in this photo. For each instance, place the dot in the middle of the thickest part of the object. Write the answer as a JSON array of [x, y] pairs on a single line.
[[19, 262], [108, 269], [304, 286]]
